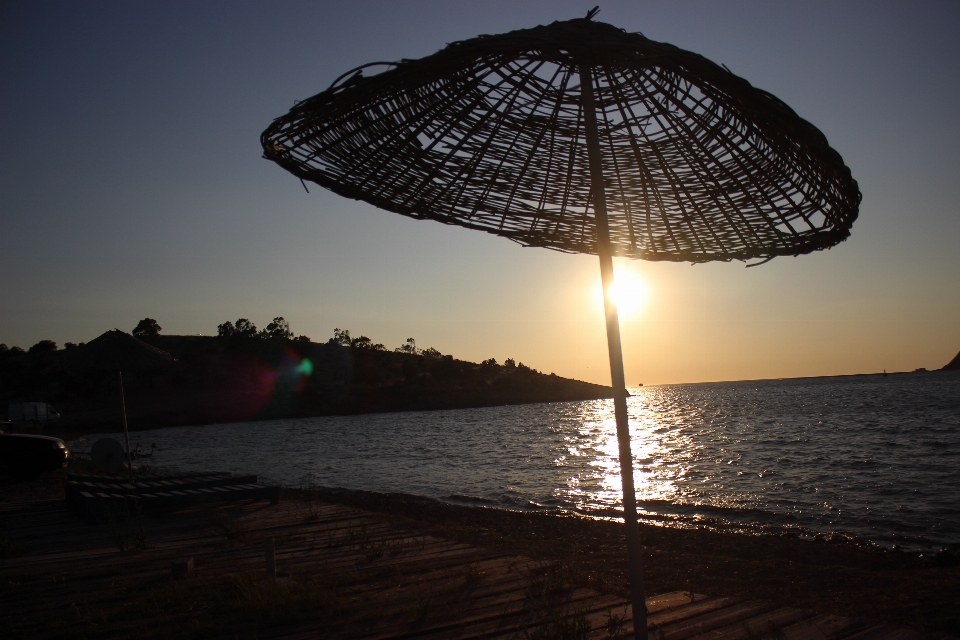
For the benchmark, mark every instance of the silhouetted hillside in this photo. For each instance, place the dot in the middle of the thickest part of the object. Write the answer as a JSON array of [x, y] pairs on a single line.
[[953, 365], [238, 378]]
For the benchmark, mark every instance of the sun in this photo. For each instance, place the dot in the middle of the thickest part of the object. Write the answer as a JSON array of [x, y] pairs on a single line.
[[628, 292]]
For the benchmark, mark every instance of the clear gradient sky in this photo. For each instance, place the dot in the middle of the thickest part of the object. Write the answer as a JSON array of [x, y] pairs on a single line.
[[131, 185]]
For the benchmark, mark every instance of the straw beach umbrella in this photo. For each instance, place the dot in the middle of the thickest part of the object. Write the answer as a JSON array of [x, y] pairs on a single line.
[[579, 137], [118, 351]]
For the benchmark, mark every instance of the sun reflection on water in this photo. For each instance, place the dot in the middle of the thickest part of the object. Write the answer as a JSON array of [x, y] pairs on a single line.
[[682, 456], [593, 449]]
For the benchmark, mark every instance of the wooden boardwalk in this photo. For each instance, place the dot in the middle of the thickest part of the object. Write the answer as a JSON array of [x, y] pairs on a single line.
[[342, 573]]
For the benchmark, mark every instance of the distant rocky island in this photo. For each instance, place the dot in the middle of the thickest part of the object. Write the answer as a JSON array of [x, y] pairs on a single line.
[[243, 374]]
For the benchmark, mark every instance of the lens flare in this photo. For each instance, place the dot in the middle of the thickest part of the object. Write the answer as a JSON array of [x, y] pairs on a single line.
[[305, 368], [273, 386]]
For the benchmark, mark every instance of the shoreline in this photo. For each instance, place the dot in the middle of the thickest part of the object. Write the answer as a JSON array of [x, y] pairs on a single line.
[[79, 429], [661, 515], [670, 517], [74, 432]]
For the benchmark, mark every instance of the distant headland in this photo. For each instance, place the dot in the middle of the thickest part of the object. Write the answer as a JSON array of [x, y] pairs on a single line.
[[244, 374], [953, 365]]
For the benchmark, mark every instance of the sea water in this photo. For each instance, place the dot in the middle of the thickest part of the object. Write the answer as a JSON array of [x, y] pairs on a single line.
[[875, 458]]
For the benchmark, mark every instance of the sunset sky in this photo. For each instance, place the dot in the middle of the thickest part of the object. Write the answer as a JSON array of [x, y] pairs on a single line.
[[131, 185]]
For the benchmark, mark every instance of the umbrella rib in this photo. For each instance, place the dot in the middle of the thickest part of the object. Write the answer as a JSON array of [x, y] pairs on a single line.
[[646, 181], [738, 156], [680, 143], [743, 159], [670, 177], [570, 167], [478, 156], [748, 193], [554, 120], [712, 186], [460, 143], [789, 168], [453, 123], [764, 170], [399, 133], [533, 148], [684, 134], [498, 122], [628, 213], [504, 154], [723, 168], [323, 153], [748, 188], [323, 149], [616, 163]]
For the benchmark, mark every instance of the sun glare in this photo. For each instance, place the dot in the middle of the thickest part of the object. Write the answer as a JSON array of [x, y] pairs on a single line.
[[628, 291]]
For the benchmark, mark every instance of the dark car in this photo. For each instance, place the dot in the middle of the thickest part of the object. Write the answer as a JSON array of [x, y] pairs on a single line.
[[26, 456]]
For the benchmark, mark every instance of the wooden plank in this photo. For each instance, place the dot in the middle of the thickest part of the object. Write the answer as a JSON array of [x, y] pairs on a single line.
[[756, 626], [888, 633], [685, 611], [699, 625], [672, 600], [818, 627], [490, 620], [594, 611]]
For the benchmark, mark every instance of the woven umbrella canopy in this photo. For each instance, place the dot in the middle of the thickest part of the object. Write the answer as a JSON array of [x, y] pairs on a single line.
[[580, 137], [117, 351]]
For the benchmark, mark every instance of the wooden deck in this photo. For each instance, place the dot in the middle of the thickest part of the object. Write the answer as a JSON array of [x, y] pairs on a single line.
[[342, 573]]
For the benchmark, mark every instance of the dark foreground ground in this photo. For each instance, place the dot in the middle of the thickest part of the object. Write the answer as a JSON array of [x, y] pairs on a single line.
[[900, 589]]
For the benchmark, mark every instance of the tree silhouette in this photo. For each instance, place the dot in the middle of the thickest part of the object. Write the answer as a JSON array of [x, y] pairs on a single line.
[[410, 346], [279, 329], [147, 328], [44, 346], [341, 337], [245, 328], [242, 329]]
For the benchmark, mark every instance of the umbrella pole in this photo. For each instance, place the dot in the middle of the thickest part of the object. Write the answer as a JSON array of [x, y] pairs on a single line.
[[126, 432], [634, 549]]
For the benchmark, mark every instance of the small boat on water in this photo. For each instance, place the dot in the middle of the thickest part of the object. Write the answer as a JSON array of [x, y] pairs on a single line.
[[138, 452]]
